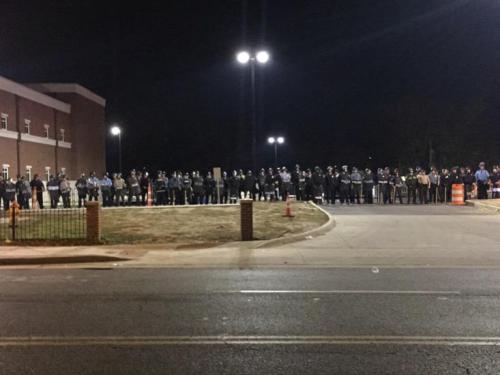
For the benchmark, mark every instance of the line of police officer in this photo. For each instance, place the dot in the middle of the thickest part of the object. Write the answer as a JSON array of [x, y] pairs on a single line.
[[336, 184]]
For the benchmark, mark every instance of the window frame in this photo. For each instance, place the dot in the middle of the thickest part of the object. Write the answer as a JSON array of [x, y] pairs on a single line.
[[4, 119], [27, 126]]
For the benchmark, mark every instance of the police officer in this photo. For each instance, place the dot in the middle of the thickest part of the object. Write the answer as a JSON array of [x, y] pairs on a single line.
[[10, 193], [160, 189], [330, 185], [198, 188], [368, 186], [38, 186], [345, 185], [210, 189], [261, 185], [187, 189], [495, 182], [144, 183], [65, 190], [469, 182], [356, 180], [411, 185], [286, 183], [249, 185], [134, 189], [93, 187], [174, 188], [318, 182], [2, 192], [296, 175], [106, 185], [436, 186], [81, 188], [397, 185], [445, 186], [54, 192], [119, 185], [234, 187], [269, 187], [25, 192]]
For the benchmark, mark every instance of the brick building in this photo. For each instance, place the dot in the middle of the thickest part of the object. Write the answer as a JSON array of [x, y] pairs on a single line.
[[48, 128]]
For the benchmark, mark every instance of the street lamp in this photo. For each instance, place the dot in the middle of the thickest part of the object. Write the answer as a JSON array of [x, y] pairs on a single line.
[[261, 57], [276, 141], [117, 131]]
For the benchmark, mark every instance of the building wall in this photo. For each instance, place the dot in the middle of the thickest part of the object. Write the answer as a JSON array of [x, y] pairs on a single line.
[[88, 130], [83, 148]]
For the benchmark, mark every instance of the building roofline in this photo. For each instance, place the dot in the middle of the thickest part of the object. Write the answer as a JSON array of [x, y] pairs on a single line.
[[73, 88], [33, 95]]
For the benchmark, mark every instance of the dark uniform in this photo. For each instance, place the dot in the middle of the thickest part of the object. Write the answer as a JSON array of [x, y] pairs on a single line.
[[198, 189], [81, 188], [210, 188], [368, 186], [161, 190], [330, 186], [38, 187], [397, 185], [469, 180], [345, 185], [144, 183], [134, 189], [318, 182], [10, 194], [2, 192], [54, 193], [445, 187], [175, 188], [383, 182], [187, 189], [234, 187], [411, 186], [356, 180]]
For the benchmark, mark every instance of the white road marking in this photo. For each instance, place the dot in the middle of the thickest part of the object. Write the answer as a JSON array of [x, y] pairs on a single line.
[[245, 340], [342, 291]]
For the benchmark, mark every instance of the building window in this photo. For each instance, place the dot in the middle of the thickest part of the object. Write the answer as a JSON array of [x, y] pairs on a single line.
[[62, 135], [47, 173], [63, 171], [46, 130], [4, 123], [5, 171], [27, 126], [29, 168]]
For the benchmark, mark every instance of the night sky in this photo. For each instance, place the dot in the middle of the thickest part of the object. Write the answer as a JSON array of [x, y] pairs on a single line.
[[343, 73]]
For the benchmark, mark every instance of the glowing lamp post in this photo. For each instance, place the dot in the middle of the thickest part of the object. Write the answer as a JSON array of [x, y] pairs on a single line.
[[276, 141], [261, 58], [117, 132]]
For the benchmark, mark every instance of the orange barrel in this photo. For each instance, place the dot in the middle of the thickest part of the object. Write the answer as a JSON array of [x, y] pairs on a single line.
[[457, 194]]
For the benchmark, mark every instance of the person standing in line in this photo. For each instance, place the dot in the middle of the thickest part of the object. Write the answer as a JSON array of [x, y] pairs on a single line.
[[65, 191], [93, 187], [38, 186], [411, 184], [482, 179], [81, 188], [495, 182], [368, 187], [435, 188], [54, 191], [423, 187], [106, 185], [469, 183]]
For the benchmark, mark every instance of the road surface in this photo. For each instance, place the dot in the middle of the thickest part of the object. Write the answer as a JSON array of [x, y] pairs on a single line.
[[261, 321]]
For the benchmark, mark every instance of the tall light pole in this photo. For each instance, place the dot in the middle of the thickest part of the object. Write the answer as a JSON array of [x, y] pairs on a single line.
[[244, 58], [117, 131], [276, 141]]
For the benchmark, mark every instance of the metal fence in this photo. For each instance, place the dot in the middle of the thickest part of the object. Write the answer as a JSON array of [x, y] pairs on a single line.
[[46, 224]]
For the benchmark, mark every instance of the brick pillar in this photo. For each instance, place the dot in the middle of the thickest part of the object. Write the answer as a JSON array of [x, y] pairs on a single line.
[[93, 221], [246, 211]]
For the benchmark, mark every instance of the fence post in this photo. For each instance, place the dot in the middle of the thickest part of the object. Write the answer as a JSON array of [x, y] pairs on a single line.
[[93, 221], [246, 213]]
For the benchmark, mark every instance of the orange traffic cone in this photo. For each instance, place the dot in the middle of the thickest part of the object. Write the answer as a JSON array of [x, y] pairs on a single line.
[[150, 196], [288, 208]]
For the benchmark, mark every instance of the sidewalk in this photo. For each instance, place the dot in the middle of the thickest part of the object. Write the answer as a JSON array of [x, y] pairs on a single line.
[[486, 204]]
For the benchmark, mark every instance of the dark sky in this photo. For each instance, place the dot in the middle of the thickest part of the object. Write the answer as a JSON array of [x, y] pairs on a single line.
[[170, 78]]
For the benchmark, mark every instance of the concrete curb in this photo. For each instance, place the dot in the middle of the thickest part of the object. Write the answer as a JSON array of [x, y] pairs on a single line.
[[329, 225], [60, 260], [477, 204]]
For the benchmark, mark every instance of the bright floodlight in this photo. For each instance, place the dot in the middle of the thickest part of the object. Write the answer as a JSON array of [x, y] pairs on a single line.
[[262, 57], [281, 140], [271, 140], [115, 130], [243, 57]]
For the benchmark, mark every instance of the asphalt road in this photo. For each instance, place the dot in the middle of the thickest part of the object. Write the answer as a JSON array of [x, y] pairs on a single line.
[[261, 321]]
